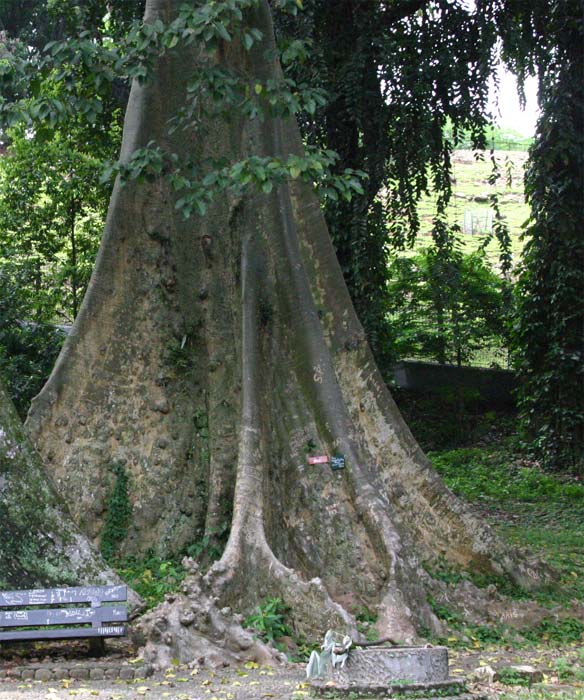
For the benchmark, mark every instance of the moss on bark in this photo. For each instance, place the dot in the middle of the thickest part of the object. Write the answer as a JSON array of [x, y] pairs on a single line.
[[39, 546]]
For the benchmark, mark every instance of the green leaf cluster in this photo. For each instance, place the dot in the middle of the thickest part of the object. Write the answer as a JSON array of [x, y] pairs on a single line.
[[118, 516], [151, 577], [270, 620], [28, 347], [446, 308], [549, 334]]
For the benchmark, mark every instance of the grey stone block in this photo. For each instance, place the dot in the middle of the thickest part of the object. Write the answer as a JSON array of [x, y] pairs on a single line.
[[43, 674], [80, 673]]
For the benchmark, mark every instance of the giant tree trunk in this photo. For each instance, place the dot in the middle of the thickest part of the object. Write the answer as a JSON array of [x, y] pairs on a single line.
[[212, 356], [39, 544]]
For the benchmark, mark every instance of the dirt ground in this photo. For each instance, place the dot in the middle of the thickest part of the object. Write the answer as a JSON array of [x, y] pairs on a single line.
[[563, 677]]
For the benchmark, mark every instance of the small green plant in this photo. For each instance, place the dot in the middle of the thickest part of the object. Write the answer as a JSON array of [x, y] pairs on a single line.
[[152, 577], [119, 513], [510, 676], [310, 445], [485, 634], [304, 649], [269, 620], [446, 308], [210, 547], [444, 613], [179, 354], [366, 620], [567, 631], [564, 669]]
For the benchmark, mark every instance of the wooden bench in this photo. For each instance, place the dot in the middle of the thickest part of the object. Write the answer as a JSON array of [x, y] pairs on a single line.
[[64, 613]]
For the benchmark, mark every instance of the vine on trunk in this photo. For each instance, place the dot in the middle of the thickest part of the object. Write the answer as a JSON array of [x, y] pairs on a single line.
[[550, 328]]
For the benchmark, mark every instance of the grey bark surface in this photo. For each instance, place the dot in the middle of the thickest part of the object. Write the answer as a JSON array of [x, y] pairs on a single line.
[[39, 544], [211, 355]]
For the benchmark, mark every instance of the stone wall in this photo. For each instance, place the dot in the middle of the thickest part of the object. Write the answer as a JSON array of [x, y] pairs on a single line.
[[493, 385], [95, 671]]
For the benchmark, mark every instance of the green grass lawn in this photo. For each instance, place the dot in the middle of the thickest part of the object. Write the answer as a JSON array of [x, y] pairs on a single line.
[[528, 507], [544, 513]]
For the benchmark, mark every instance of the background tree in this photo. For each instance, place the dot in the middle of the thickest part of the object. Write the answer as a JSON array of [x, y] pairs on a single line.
[[52, 203], [550, 327], [35, 22], [446, 311], [52, 207], [39, 546], [28, 346]]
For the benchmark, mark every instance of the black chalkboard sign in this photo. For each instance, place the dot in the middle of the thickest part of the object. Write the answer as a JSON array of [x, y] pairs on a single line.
[[337, 462]]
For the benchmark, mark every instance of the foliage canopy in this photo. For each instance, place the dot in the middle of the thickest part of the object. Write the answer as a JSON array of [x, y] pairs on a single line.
[[383, 93]]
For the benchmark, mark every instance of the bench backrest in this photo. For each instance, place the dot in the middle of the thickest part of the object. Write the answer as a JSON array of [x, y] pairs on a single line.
[[43, 608]]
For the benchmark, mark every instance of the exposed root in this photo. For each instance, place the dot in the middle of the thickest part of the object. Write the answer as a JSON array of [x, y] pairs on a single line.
[[199, 626], [487, 606], [191, 627], [312, 608]]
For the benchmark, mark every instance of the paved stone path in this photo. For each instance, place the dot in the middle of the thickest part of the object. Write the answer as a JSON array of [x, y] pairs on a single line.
[[251, 682], [285, 683]]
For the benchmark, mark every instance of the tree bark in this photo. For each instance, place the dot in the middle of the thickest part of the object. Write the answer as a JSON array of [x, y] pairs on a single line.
[[39, 544], [211, 356]]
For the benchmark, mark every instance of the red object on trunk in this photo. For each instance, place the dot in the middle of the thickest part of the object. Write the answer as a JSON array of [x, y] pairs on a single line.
[[323, 459]]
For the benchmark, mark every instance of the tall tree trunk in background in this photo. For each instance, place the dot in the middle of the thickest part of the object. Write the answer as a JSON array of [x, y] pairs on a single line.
[[210, 357], [39, 544]]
